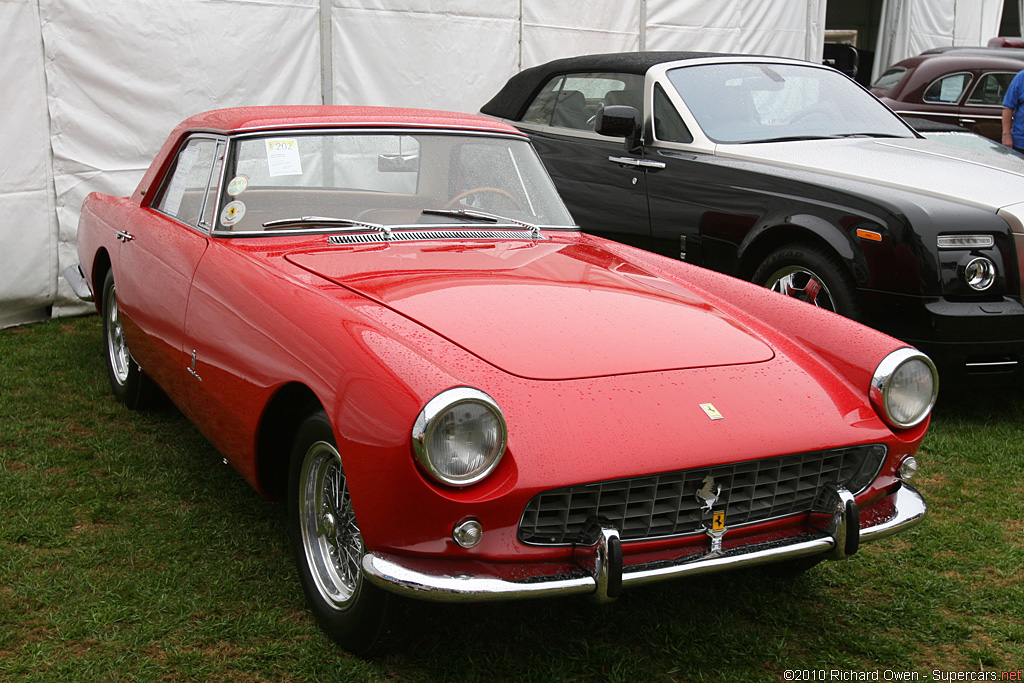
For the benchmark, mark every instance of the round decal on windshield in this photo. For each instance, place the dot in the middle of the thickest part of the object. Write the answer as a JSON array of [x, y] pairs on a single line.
[[232, 213], [237, 185]]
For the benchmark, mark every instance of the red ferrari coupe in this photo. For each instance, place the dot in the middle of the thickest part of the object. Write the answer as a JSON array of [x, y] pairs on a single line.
[[388, 319]]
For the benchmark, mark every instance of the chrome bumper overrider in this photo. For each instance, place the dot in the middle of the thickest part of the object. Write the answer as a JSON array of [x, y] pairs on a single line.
[[602, 573], [76, 278]]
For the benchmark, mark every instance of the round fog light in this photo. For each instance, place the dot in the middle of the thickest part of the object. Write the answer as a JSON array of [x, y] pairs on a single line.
[[468, 533], [979, 274], [908, 468]]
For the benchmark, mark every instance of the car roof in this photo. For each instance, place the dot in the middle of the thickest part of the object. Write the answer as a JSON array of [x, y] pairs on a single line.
[[516, 94], [979, 57], [245, 119], [1007, 52], [292, 117]]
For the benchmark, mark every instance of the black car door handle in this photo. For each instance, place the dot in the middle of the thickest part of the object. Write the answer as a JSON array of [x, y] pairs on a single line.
[[642, 163]]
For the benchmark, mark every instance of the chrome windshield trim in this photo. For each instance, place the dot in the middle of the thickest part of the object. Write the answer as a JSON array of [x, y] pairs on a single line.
[[422, 235]]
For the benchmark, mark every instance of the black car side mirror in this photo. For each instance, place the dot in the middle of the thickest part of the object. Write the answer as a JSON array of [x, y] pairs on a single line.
[[620, 121]]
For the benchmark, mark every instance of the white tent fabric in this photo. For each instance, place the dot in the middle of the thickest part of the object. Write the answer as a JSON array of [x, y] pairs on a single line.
[[28, 230], [909, 27], [784, 29], [92, 87]]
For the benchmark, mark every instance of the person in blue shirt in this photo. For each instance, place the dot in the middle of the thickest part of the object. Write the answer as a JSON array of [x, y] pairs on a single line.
[[1013, 114]]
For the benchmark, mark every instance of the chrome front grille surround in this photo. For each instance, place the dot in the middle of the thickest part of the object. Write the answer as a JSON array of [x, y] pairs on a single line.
[[666, 505], [426, 235]]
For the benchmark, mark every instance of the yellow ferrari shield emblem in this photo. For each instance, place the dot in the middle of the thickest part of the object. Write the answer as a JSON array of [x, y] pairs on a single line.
[[711, 411], [718, 520]]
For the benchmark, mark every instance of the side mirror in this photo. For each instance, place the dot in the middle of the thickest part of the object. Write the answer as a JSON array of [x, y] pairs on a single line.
[[620, 121]]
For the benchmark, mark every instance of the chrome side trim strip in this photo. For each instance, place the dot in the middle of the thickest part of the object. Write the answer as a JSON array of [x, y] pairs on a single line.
[[391, 575], [993, 364], [76, 278]]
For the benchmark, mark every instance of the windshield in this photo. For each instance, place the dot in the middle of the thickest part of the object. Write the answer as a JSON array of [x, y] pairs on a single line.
[[767, 102], [277, 182]]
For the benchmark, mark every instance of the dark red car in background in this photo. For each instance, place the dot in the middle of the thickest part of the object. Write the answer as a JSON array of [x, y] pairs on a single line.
[[961, 86]]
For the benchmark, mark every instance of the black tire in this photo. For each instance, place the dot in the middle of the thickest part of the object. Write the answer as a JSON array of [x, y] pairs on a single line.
[[327, 544], [813, 274], [128, 382]]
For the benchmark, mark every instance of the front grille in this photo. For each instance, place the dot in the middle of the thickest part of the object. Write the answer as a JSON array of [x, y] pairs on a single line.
[[664, 505]]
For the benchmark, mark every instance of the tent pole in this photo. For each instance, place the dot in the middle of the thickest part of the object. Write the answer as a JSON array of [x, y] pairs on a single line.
[[643, 25], [326, 54]]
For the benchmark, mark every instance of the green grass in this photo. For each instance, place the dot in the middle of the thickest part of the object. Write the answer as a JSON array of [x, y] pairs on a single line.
[[129, 552]]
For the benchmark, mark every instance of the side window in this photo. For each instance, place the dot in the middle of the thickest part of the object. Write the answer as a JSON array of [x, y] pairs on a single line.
[[543, 106], [991, 89], [890, 78], [186, 191], [573, 101], [948, 89], [668, 125]]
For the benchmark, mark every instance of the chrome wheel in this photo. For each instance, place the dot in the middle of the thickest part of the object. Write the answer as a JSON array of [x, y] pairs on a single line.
[[330, 535], [117, 349], [803, 284]]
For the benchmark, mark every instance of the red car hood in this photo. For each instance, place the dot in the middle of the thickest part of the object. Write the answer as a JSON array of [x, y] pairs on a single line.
[[543, 310]]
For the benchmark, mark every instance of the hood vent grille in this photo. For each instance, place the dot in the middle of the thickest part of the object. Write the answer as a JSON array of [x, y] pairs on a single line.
[[427, 235]]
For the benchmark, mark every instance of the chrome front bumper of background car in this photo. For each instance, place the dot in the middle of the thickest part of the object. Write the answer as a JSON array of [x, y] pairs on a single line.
[[602, 573]]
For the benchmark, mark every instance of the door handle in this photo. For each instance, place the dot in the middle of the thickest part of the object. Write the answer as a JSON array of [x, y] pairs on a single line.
[[124, 236], [642, 163], [967, 122]]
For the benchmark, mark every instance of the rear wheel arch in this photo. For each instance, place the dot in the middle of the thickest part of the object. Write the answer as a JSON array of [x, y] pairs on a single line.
[[100, 266]]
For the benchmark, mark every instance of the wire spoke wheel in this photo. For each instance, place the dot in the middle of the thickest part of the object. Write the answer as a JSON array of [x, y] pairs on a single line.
[[330, 535], [117, 349], [327, 542]]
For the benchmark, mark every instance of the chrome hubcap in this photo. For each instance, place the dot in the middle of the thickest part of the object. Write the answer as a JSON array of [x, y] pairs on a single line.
[[330, 536], [801, 283], [117, 349]]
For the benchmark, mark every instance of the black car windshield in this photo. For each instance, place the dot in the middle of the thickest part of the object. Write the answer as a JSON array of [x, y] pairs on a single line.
[[319, 181], [745, 102]]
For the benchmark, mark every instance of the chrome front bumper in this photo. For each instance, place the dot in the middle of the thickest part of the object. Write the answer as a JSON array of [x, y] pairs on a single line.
[[602, 573]]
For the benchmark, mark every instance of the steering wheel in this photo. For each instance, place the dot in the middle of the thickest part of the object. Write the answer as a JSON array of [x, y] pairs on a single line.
[[462, 195]]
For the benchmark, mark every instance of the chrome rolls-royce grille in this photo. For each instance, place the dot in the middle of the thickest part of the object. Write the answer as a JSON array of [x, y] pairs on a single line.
[[667, 504]]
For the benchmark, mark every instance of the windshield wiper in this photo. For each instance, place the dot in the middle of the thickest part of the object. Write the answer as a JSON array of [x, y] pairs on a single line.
[[326, 221], [789, 138], [869, 135], [472, 214]]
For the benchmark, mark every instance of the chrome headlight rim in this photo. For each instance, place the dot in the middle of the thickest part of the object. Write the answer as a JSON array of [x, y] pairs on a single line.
[[980, 273], [881, 386], [427, 420]]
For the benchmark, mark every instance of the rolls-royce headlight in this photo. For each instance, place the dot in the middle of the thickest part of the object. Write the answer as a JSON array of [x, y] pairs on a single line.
[[459, 436], [904, 388]]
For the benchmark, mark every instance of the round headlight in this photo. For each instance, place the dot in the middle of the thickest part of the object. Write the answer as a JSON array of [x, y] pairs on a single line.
[[904, 388], [979, 274], [459, 436]]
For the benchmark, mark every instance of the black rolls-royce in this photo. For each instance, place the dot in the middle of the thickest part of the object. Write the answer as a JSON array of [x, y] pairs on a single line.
[[791, 175]]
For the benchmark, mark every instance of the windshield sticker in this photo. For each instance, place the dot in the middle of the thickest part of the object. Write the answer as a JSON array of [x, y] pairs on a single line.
[[232, 213], [283, 157], [237, 185]]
